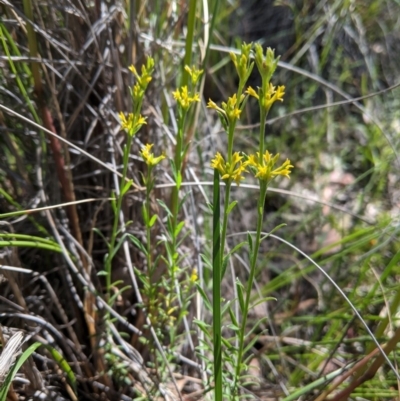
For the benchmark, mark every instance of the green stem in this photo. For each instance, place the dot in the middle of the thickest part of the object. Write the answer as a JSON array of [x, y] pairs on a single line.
[[263, 119], [217, 277], [108, 262], [230, 141], [225, 222], [148, 228], [179, 145], [176, 189], [174, 210], [250, 281], [189, 40]]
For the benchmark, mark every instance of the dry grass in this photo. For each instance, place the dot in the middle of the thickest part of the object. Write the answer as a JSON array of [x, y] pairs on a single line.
[[345, 157]]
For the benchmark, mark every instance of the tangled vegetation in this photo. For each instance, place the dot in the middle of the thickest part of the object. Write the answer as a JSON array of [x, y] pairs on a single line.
[[199, 200]]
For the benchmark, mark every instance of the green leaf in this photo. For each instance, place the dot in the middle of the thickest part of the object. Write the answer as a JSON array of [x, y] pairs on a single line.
[[206, 260], [137, 242], [126, 187], [183, 200], [223, 121], [233, 317], [178, 180], [260, 301], [225, 308], [63, 364], [204, 296], [179, 228], [231, 206], [117, 294], [117, 283], [114, 202], [240, 289], [165, 207], [119, 244], [233, 327], [228, 344], [152, 220], [173, 168], [204, 327], [13, 371], [100, 234], [250, 242], [228, 255], [102, 273], [145, 214], [272, 231]]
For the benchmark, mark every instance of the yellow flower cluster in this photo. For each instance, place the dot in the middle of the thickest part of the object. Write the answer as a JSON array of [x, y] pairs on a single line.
[[194, 276], [142, 80], [145, 78], [230, 110], [183, 95], [194, 74], [230, 171], [132, 123], [184, 98], [264, 167], [269, 97], [149, 157], [242, 62], [266, 65]]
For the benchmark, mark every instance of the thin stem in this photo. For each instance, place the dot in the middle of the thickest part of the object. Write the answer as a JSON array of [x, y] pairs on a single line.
[[175, 191], [114, 231], [250, 281], [263, 119], [189, 39], [148, 228], [179, 147], [230, 142], [217, 254], [225, 221]]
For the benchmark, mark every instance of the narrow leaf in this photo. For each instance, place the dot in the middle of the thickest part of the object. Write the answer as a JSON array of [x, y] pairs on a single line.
[[239, 289], [126, 187], [152, 220], [204, 296], [231, 206], [165, 207]]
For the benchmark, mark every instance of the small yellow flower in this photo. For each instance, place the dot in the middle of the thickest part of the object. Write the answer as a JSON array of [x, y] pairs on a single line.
[[230, 171], [140, 120], [230, 110], [149, 157], [144, 78], [133, 70], [232, 107], [194, 74], [194, 277], [242, 62], [280, 92], [266, 64], [133, 123], [264, 168], [213, 105], [137, 92], [272, 95], [250, 91], [184, 98], [126, 123]]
